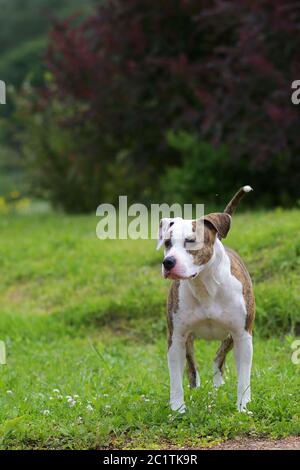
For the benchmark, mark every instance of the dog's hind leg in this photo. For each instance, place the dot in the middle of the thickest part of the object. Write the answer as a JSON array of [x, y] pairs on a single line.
[[193, 374], [243, 351], [219, 362]]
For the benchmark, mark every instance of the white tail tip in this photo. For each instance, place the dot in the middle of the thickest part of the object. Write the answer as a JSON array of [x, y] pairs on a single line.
[[247, 189]]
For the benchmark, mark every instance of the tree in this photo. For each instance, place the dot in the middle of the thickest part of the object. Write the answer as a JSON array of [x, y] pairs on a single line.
[[135, 70]]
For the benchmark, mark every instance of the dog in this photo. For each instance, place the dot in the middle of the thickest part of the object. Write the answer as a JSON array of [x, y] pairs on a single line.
[[211, 297]]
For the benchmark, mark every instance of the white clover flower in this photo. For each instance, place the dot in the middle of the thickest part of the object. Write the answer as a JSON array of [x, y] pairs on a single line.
[[55, 390], [89, 407], [46, 412], [144, 398]]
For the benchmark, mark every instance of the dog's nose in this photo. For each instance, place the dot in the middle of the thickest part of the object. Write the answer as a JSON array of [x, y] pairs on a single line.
[[169, 262]]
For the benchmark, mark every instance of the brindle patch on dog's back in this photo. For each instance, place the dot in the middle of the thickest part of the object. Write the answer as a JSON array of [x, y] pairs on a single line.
[[172, 307], [239, 270]]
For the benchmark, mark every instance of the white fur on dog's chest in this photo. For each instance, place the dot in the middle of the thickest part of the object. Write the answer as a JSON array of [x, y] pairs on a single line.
[[211, 322], [211, 310]]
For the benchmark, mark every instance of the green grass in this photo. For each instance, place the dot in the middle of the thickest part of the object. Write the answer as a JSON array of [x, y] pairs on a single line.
[[87, 318]]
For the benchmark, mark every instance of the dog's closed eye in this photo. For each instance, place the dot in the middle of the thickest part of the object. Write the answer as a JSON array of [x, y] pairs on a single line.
[[188, 241], [168, 243]]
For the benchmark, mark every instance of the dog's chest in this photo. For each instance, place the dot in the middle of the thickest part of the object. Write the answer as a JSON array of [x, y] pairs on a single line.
[[211, 317], [210, 321]]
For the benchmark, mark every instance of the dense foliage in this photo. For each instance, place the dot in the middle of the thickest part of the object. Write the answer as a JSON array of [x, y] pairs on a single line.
[[24, 28], [133, 71], [23, 35]]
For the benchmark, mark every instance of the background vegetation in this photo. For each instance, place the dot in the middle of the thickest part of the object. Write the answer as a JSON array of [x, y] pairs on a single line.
[[24, 27], [162, 100], [84, 325], [139, 91]]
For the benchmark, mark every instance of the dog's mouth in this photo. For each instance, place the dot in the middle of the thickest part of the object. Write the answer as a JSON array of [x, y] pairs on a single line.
[[174, 276], [170, 275]]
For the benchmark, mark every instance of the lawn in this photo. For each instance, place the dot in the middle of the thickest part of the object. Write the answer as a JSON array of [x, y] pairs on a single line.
[[83, 321]]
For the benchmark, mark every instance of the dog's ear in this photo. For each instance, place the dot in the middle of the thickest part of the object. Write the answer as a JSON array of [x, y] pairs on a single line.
[[164, 225], [220, 221]]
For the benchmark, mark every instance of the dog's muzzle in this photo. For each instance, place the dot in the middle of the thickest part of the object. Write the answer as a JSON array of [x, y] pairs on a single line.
[[169, 263]]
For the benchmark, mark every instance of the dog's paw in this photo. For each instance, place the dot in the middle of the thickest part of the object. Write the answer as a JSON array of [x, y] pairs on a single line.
[[178, 406], [241, 409], [245, 410], [217, 378], [197, 382], [242, 405]]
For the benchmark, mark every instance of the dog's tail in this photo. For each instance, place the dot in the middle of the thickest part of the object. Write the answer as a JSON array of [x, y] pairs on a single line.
[[232, 205]]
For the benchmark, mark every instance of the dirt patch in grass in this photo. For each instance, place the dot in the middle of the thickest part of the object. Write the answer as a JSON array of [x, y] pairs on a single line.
[[288, 443], [240, 443]]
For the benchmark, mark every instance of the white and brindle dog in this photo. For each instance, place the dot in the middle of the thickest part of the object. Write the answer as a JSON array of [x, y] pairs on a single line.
[[211, 297]]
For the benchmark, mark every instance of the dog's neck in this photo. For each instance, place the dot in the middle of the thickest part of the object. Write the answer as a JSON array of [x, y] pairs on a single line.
[[211, 277]]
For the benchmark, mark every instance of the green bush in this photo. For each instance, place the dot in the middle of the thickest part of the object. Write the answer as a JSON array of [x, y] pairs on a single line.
[[210, 174], [206, 171], [25, 60], [59, 159]]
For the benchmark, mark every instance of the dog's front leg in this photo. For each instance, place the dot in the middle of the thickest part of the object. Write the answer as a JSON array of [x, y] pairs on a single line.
[[176, 361], [243, 351]]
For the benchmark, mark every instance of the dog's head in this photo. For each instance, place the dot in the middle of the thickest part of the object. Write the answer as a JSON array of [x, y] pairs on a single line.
[[189, 244]]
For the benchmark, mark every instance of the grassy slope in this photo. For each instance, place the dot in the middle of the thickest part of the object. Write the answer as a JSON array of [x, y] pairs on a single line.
[[87, 318]]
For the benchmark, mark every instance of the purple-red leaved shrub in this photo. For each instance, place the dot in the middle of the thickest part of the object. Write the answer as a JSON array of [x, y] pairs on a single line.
[[136, 69]]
